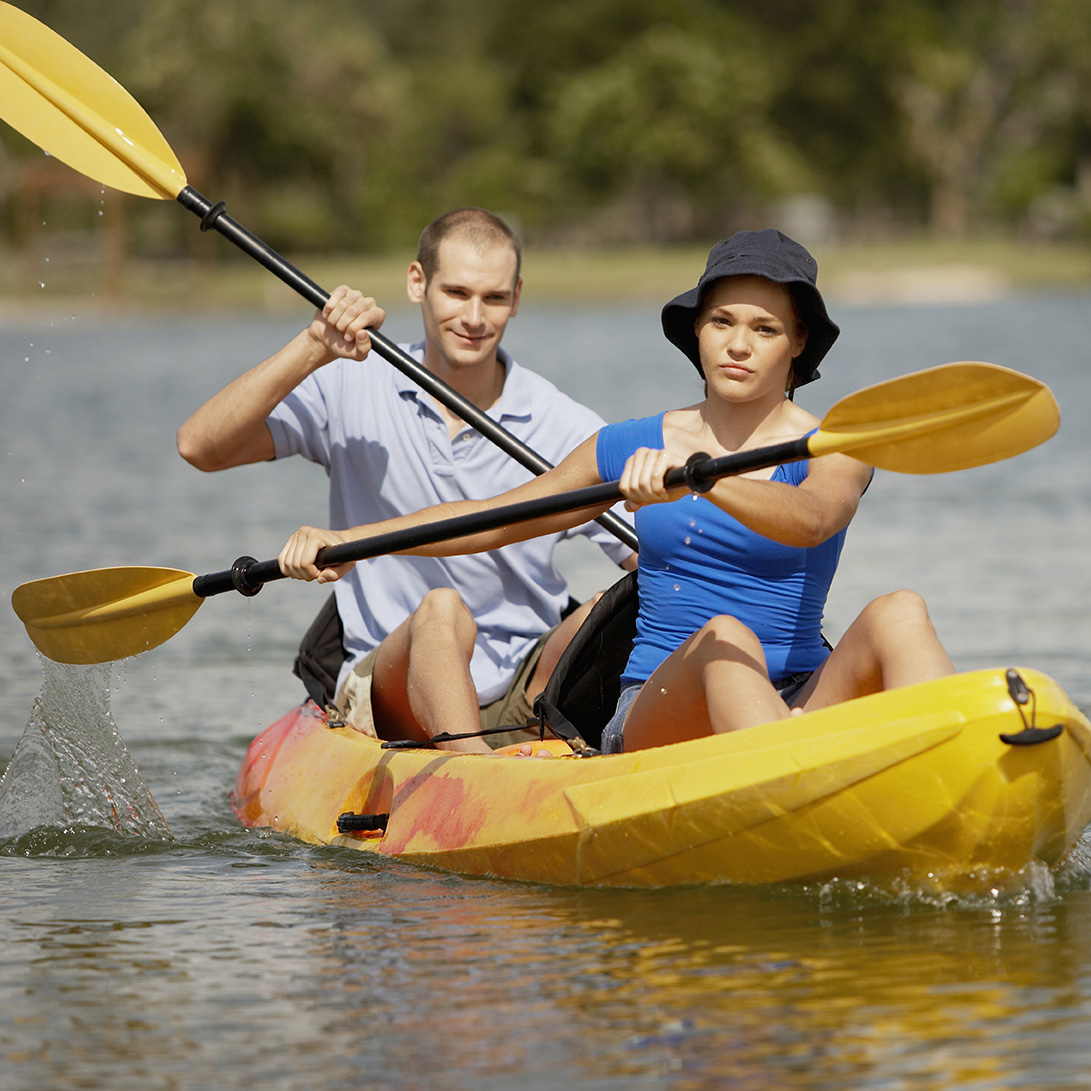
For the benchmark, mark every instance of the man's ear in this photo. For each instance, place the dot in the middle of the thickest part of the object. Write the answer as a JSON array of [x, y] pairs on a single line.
[[415, 282], [515, 297]]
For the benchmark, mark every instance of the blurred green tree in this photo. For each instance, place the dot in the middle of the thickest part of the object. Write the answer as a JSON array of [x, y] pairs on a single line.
[[349, 124], [263, 100]]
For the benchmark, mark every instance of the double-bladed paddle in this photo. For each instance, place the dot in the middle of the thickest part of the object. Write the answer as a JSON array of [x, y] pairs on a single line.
[[946, 418], [60, 99]]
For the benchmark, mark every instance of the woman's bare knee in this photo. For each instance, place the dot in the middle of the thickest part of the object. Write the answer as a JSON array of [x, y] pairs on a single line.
[[901, 643], [725, 636], [899, 608]]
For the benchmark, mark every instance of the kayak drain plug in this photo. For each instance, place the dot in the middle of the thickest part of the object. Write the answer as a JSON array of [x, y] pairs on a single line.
[[350, 822], [1022, 695]]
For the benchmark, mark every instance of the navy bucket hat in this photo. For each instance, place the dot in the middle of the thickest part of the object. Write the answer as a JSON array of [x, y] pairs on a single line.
[[767, 254]]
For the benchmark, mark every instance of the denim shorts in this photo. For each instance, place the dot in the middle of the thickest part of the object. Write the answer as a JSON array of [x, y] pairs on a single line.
[[612, 741], [613, 734]]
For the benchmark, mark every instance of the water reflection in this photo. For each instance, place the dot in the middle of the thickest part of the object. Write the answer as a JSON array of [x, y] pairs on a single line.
[[707, 984], [281, 963]]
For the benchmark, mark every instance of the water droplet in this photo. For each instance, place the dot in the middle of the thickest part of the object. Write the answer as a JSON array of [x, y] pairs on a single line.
[[677, 587], [41, 283], [100, 211], [693, 522], [688, 540]]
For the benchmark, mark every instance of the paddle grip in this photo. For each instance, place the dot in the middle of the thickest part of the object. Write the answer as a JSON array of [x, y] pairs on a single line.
[[213, 217]]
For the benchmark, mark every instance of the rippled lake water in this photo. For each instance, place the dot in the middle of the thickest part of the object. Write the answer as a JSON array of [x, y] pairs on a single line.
[[225, 957]]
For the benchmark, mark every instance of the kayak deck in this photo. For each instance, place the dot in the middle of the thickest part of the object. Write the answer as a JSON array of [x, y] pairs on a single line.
[[914, 781]]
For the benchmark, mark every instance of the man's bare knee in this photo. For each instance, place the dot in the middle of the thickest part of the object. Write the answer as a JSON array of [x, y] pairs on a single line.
[[442, 610]]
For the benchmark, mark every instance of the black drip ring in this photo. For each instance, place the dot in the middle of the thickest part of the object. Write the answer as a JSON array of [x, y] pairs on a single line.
[[693, 482], [238, 577], [208, 220]]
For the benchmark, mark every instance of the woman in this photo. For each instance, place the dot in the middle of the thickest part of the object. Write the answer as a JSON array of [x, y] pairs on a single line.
[[732, 582]]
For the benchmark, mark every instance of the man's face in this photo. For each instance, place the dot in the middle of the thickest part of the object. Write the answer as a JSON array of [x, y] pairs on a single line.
[[467, 303]]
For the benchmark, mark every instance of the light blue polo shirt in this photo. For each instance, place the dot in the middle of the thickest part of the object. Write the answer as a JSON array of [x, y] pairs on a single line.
[[387, 452]]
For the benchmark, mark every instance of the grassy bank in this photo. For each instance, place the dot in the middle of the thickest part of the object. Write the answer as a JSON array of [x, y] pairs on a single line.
[[891, 272]]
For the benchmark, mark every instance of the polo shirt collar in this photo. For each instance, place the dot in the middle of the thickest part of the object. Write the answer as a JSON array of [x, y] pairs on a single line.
[[515, 401]]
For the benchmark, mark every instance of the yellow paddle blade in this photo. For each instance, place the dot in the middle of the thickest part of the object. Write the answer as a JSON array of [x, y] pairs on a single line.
[[62, 101], [941, 419], [105, 614]]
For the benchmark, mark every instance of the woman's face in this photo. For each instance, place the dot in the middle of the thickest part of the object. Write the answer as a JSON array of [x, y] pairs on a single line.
[[748, 335]]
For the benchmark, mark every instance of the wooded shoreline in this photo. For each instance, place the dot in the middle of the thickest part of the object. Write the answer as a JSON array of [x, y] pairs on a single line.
[[908, 272]]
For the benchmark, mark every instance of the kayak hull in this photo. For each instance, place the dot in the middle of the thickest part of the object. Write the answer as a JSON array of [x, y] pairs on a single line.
[[915, 782]]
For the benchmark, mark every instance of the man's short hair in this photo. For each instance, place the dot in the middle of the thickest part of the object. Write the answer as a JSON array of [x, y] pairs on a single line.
[[477, 226]]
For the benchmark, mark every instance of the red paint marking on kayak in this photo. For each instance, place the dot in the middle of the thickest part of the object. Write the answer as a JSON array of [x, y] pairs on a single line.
[[432, 811], [249, 782]]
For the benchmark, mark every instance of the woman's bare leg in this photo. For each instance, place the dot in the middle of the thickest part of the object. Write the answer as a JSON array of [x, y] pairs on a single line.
[[892, 643], [716, 681]]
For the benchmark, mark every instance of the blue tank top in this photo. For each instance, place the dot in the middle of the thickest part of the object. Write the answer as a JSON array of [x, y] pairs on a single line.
[[697, 562]]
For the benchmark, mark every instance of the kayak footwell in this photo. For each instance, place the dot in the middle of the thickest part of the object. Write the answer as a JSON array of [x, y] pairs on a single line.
[[915, 781]]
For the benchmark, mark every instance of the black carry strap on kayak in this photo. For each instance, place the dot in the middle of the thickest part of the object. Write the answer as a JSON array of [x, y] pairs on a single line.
[[582, 692]]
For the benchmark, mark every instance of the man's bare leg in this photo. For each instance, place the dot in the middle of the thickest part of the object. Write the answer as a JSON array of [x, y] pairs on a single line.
[[421, 685]]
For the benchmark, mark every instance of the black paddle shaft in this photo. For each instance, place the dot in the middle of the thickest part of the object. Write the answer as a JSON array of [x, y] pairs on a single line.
[[213, 216], [248, 575]]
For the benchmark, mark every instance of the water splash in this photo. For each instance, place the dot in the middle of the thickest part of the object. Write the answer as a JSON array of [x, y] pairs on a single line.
[[71, 768], [995, 889]]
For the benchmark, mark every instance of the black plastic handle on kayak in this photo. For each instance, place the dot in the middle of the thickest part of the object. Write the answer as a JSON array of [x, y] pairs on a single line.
[[213, 217], [247, 576]]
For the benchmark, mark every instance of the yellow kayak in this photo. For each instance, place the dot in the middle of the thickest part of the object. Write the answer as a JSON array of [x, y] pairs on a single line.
[[989, 769]]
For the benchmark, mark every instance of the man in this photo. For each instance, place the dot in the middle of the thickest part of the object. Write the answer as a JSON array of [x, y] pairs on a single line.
[[428, 640]]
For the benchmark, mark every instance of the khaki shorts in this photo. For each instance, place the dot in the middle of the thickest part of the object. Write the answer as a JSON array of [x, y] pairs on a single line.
[[512, 707]]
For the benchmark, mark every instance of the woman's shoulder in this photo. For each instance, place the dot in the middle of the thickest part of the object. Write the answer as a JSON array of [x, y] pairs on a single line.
[[797, 421], [617, 441], [637, 426]]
